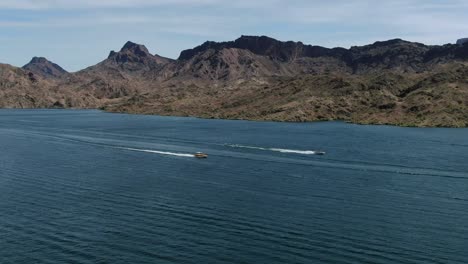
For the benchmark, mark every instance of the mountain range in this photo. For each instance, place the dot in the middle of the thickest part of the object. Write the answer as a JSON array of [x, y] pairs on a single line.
[[259, 78]]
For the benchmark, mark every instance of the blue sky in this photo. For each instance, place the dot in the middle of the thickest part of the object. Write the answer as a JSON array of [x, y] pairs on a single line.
[[79, 33]]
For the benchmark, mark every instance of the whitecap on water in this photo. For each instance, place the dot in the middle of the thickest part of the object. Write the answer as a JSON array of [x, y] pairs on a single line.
[[293, 151], [159, 152]]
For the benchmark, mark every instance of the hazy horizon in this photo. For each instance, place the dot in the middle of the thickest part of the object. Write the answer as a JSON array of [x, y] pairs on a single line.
[[81, 33]]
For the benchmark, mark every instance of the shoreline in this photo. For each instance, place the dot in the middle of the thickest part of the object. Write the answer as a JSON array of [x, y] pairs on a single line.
[[245, 119], [286, 121]]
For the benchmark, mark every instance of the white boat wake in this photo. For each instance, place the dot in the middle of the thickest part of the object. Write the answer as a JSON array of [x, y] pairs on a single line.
[[159, 152], [304, 152], [294, 151]]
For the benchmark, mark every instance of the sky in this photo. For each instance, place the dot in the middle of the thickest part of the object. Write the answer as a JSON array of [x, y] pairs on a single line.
[[79, 33]]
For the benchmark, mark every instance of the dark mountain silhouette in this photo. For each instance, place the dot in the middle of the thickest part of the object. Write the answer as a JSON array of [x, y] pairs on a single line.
[[135, 57], [44, 68]]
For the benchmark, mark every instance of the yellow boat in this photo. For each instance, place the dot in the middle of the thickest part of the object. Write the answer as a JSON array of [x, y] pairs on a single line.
[[200, 155]]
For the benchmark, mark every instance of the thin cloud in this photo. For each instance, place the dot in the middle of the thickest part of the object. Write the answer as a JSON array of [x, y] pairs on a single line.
[[173, 25], [398, 17], [186, 25], [67, 4]]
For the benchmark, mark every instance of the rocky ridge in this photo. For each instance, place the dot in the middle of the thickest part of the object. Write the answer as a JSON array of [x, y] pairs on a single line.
[[260, 78]]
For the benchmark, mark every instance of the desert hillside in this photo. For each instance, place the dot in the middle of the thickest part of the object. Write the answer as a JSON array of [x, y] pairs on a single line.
[[260, 78]]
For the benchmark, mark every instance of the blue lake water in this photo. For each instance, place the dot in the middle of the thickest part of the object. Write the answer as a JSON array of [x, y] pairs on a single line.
[[92, 187]]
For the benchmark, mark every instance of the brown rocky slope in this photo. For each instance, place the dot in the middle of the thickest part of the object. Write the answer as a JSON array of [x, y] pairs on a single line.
[[259, 78]]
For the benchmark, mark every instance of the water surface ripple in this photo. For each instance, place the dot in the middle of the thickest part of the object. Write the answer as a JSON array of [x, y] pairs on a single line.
[[92, 187]]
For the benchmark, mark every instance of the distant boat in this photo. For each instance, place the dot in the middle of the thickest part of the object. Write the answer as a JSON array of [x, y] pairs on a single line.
[[200, 155], [320, 153]]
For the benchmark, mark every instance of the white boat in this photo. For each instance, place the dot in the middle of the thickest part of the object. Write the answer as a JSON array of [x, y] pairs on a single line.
[[200, 155]]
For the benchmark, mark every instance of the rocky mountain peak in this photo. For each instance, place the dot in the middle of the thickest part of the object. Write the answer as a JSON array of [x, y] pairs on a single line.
[[390, 42], [137, 49], [264, 46], [130, 49], [134, 58], [255, 41], [42, 67], [275, 49], [38, 60], [462, 41]]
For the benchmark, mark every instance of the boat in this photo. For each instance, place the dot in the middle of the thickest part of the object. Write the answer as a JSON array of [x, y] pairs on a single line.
[[320, 153], [200, 155]]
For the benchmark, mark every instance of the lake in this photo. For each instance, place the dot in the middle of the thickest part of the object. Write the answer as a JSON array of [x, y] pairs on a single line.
[[85, 186]]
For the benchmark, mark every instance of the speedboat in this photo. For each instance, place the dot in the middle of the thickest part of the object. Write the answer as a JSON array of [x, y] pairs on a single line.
[[200, 155], [320, 153]]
